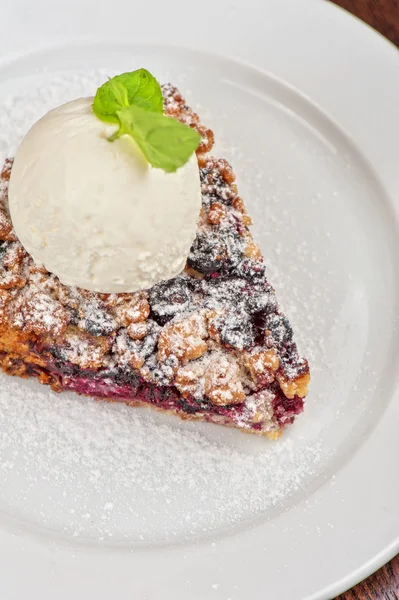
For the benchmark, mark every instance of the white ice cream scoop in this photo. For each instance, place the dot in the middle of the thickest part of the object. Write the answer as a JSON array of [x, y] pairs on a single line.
[[94, 212]]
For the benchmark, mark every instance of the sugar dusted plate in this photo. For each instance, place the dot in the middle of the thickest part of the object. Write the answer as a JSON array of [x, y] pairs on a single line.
[[98, 500]]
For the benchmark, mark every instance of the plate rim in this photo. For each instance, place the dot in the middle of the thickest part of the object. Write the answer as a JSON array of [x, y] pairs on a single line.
[[362, 33]]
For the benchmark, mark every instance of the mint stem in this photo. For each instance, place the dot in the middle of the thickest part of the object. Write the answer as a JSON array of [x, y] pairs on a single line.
[[115, 135]]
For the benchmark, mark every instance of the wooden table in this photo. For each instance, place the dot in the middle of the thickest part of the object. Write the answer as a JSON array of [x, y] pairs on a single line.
[[383, 585], [383, 15]]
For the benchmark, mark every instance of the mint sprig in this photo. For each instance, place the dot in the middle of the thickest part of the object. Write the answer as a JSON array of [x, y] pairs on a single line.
[[134, 101], [139, 88]]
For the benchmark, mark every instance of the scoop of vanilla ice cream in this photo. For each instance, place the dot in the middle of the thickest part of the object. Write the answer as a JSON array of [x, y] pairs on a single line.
[[94, 212]]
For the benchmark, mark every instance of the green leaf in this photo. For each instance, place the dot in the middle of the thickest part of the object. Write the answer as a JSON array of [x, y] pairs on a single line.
[[166, 143], [134, 102], [138, 87]]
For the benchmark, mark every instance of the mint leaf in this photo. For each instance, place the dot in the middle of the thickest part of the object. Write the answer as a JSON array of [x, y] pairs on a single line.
[[138, 87], [166, 143], [134, 102]]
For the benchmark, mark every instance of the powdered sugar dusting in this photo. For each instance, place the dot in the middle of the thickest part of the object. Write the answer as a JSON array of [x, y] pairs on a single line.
[[101, 471], [225, 315], [19, 111], [108, 472]]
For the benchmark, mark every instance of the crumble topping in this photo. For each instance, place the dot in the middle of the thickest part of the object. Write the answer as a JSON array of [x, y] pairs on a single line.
[[222, 382], [215, 332], [84, 350], [35, 311], [6, 229], [183, 339], [175, 106]]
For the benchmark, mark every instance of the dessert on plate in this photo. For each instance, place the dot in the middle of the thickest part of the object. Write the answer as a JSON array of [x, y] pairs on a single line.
[[128, 271]]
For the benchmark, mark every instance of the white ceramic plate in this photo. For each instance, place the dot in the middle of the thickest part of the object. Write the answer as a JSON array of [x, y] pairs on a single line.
[[100, 501]]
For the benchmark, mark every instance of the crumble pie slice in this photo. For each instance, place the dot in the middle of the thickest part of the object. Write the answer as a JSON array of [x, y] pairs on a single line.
[[211, 344]]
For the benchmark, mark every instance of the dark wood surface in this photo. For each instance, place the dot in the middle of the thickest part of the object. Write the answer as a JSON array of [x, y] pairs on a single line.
[[383, 15], [383, 585]]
